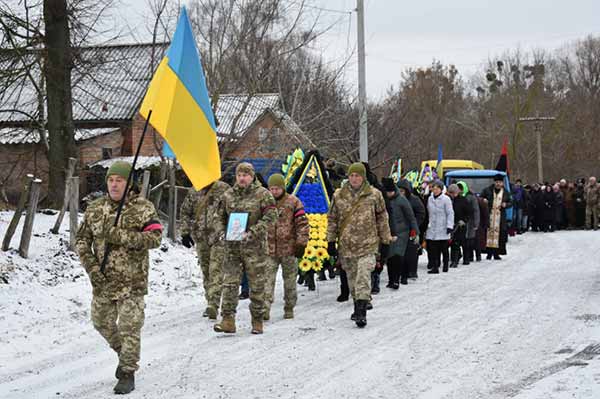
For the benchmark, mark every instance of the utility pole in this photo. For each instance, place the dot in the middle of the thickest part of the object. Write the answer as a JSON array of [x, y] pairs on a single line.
[[362, 84], [537, 126]]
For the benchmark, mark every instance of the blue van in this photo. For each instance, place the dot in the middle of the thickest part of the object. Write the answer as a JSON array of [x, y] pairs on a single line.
[[478, 180]]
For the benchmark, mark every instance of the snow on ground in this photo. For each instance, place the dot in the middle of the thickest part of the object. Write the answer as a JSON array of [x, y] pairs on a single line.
[[525, 327]]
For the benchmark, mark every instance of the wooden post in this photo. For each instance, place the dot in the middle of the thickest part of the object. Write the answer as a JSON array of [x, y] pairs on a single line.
[[63, 210], [163, 177], [28, 225], [73, 211], [146, 184], [18, 212], [171, 233]]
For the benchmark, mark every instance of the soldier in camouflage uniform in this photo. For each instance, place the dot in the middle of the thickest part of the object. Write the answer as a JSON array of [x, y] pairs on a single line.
[[250, 254], [287, 241], [118, 293], [358, 221], [198, 211]]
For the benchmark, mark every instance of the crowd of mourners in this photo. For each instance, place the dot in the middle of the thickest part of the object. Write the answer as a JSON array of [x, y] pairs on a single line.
[[251, 228]]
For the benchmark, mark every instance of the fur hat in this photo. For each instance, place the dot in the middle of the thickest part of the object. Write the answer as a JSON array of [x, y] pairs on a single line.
[[388, 184]]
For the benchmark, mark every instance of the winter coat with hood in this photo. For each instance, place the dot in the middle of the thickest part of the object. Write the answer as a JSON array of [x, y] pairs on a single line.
[[415, 202], [402, 220], [441, 217], [473, 223]]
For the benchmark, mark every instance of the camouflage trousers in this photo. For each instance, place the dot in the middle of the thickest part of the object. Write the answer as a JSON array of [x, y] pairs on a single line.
[[240, 258], [120, 323], [359, 271], [211, 259], [591, 217], [289, 269]]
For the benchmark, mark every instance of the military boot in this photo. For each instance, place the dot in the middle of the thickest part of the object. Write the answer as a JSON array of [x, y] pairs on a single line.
[[361, 317], [227, 325], [288, 313], [267, 313], [257, 326], [354, 314], [205, 313], [211, 312], [310, 279], [126, 384]]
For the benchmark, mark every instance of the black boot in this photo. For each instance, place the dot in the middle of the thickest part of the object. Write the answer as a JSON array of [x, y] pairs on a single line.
[[354, 313], [344, 289], [434, 270], [404, 280], [330, 271], [310, 279], [322, 276], [243, 295], [445, 268], [126, 384], [454, 265], [374, 283], [361, 319], [301, 279]]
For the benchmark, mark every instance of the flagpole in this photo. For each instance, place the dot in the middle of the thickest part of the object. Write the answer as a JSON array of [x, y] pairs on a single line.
[[127, 190]]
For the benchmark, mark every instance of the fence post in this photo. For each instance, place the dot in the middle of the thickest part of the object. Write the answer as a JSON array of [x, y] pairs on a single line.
[[73, 211], [171, 231], [63, 209], [28, 225], [163, 177], [146, 184], [12, 227]]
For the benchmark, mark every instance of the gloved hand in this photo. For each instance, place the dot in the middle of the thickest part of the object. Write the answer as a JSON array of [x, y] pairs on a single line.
[[378, 267], [187, 241], [299, 251], [461, 223], [97, 278], [332, 250], [449, 231]]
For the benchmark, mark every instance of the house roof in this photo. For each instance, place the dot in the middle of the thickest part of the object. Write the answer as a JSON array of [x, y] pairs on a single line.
[[235, 113], [9, 135], [108, 82]]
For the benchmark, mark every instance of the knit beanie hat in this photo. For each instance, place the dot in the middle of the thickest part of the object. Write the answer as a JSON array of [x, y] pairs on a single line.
[[453, 189], [245, 167], [277, 180], [358, 168], [119, 168], [388, 184]]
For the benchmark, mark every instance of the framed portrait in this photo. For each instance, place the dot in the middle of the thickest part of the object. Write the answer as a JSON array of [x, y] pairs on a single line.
[[236, 226]]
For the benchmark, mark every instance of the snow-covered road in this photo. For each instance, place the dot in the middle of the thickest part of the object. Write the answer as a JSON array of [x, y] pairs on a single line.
[[525, 327]]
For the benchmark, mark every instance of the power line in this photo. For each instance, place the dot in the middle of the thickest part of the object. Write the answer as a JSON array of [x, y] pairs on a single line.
[[329, 9]]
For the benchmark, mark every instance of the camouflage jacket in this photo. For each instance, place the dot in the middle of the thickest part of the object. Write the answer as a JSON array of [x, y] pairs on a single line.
[[259, 203], [200, 210], [291, 229], [592, 194], [358, 220], [138, 231]]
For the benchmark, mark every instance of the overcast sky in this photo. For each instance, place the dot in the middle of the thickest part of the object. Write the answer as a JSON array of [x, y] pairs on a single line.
[[402, 33]]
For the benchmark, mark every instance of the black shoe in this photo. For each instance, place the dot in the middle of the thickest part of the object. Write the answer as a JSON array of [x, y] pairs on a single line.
[[413, 275], [375, 290], [354, 314], [310, 280], [389, 284], [331, 272], [342, 298], [454, 265], [126, 384], [205, 313], [369, 306], [322, 276], [300, 279], [434, 271], [497, 257], [466, 263], [404, 280], [445, 269], [244, 295], [361, 316], [478, 259], [395, 286], [489, 256]]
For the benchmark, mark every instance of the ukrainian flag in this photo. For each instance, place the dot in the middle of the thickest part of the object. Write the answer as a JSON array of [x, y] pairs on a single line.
[[181, 111]]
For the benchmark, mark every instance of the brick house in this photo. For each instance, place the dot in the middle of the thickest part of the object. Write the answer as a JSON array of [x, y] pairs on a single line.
[[108, 89]]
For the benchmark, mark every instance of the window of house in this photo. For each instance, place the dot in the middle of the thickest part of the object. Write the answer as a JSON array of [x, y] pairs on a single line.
[[107, 152], [262, 134]]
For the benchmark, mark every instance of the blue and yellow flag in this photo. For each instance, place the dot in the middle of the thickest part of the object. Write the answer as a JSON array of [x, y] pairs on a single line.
[[181, 111]]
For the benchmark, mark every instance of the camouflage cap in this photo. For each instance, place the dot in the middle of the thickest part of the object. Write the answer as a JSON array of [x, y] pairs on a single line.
[[245, 167]]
